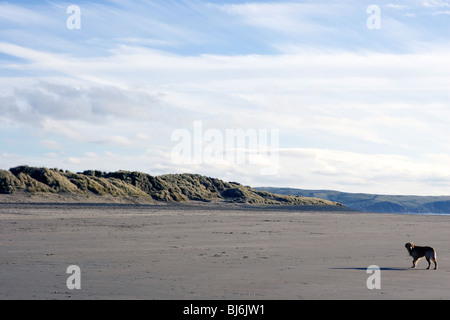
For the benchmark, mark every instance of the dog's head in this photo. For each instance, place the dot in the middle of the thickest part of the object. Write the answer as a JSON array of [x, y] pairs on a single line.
[[409, 246]]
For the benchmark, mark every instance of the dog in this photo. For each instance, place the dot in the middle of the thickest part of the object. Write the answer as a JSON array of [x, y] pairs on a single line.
[[422, 252]]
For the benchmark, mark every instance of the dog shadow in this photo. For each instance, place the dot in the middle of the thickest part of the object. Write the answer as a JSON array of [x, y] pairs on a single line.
[[381, 268]]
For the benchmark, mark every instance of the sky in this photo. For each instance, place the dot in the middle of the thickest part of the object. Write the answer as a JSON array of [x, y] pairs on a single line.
[[344, 95]]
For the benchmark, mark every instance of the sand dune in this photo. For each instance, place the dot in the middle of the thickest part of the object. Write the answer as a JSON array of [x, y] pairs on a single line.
[[24, 182]]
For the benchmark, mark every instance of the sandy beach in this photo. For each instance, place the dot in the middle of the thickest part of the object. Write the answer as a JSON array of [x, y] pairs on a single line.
[[176, 252]]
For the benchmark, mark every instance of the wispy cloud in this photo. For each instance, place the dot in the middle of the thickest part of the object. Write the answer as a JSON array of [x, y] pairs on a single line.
[[436, 3], [396, 6], [289, 18], [22, 16]]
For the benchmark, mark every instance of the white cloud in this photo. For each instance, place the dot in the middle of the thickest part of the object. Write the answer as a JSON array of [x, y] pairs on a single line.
[[74, 161], [51, 144], [17, 15], [137, 140], [436, 3], [42, 100], [292, 18], [51, 155], [441, 12], [396, 6], [359, 172]]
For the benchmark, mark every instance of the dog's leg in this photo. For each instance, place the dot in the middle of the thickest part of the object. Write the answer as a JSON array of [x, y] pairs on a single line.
[[435, 264], [415, 263], [429, 263]]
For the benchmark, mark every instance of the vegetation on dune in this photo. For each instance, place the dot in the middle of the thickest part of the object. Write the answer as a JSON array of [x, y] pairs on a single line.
[[167, 188]]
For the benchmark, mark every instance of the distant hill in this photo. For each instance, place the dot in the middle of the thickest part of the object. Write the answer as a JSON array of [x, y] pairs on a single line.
[[374, 202], [28, 181]]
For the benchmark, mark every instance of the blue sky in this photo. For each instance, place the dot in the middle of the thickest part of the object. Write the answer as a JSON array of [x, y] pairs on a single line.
[[357, 109]]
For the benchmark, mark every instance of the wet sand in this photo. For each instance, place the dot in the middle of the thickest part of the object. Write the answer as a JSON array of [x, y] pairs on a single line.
[[177, 252]]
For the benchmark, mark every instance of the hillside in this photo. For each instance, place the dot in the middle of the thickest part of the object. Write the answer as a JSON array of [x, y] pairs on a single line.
[[374, 202], [102, 186]]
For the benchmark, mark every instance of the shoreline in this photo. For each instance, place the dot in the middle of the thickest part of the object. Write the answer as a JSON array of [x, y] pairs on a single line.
[[223, 206], [192, 205]]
